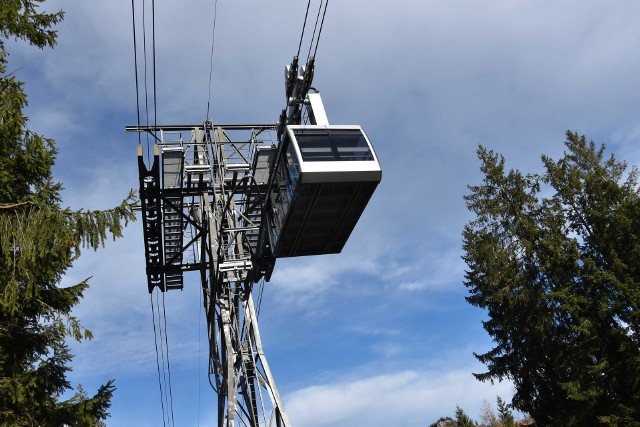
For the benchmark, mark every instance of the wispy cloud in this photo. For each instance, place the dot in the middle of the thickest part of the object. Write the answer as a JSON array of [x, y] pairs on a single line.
[[403, 398]]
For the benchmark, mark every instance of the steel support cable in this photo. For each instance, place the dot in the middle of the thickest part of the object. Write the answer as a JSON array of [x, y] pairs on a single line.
[[153, 42], [144, 54], [321, 25], [201, 304], [155, 339], [315, 28], [135, 67], [164, 370], [164, 363], [166, 341], [213, 43], [303, 26]]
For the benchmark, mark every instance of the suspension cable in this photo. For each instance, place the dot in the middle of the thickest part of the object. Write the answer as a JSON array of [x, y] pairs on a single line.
[[166, 341], [144, 54], [155, 339], [153, 40], [135, 66], [315, 28], [200, 310], [166, 371], [321, 25], [213, 43], [167, 403], [303, 26], [166, 393]]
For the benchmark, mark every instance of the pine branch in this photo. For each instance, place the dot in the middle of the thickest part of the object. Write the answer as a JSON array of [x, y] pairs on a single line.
[[73, 327], [16, 205]]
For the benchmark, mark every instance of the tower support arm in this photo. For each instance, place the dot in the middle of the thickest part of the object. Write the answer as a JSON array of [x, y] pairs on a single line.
[[317, 115]]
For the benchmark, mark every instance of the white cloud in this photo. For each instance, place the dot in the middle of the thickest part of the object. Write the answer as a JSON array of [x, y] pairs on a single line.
[[387, 350], [428, 269], [413, 286], [307, 281], [404, 398], [373, 331]]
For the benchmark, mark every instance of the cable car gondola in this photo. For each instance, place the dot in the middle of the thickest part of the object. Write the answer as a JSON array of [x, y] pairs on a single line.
[[325, 178]]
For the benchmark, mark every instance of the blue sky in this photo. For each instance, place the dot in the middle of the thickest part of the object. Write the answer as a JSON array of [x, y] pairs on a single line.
[[381, 334]]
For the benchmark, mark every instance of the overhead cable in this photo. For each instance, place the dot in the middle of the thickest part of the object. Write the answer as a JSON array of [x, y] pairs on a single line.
[[164, 365], [168, 402], [155, 339], [303, 26], [144, 54], [153, 40], [201, 305], [159, 354], [321, 25], [166, 341], [213, 43], [315, 28], [318, 30], [135, 66]]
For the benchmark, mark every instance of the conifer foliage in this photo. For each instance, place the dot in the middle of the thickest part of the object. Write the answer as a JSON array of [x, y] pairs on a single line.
[[39, 240], [555, 260]]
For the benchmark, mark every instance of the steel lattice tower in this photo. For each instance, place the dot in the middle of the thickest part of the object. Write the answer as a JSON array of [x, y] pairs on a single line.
[[201, 207]]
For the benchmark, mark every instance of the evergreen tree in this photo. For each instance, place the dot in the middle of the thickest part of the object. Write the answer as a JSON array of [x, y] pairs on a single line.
[[39, 240], [505, 417], [462, 419], [555, 260]]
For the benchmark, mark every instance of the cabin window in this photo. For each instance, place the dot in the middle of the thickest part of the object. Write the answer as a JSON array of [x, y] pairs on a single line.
[[321, 145], [293, 166]]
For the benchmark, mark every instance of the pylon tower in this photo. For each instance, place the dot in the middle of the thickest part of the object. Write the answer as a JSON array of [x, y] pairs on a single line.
[[201, 203], [226, 201]]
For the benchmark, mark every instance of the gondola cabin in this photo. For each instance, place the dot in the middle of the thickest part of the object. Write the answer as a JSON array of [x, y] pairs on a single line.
[[324, 180]]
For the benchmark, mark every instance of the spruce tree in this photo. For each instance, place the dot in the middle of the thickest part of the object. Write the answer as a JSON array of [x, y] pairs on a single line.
[[39, 240], [462, 419], [505, 417], [555, 260]]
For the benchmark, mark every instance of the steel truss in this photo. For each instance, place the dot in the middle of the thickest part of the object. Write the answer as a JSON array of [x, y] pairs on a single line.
[[202, 205]]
